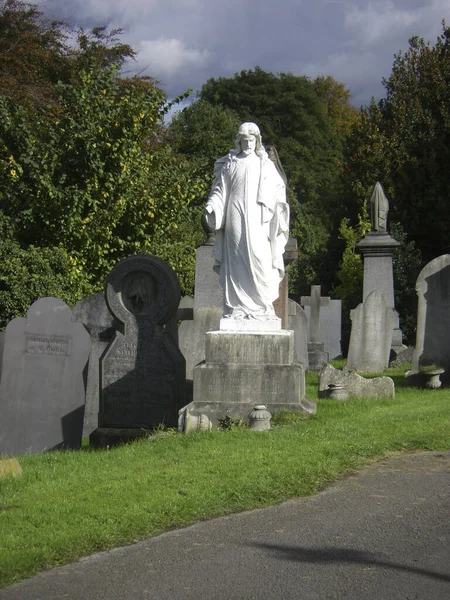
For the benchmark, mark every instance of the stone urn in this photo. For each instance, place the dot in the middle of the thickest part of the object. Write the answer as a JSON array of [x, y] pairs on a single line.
[[190, 423], [337, 391], [432, 379], [259, 418]]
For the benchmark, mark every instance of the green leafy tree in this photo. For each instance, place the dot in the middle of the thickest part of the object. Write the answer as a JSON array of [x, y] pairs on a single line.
[[86, 172], [305, 122], [96, 188], [404, 142]]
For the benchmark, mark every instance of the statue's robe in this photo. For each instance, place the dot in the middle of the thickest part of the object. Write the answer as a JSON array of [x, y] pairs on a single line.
[[248, 209]]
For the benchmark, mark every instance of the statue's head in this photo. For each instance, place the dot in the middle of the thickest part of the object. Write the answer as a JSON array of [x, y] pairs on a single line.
[[247, 130]]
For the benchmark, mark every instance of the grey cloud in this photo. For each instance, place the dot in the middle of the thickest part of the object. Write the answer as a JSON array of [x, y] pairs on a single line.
[[182, 43]]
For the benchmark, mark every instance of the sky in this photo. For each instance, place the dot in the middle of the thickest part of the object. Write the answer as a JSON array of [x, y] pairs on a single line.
[[182, 43]]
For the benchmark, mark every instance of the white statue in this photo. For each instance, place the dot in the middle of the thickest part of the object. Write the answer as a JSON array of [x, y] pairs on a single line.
[[248, 210]]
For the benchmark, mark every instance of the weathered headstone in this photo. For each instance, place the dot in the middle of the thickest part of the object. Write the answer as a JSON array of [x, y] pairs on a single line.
[[101, 325], [317, 356], [298, 323], [207, 308], [371, 336], [142, 372], [329, 327], [42, 391], [433, 315]]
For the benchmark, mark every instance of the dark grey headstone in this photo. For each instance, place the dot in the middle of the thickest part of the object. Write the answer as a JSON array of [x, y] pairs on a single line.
[[42, 390], [142, 372], [101, 325], [433, 315]]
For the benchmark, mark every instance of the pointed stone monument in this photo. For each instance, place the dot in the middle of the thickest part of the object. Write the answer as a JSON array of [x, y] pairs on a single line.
[[377, 249]]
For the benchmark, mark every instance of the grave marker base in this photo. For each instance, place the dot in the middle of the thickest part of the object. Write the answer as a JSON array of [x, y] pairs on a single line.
[[233, 385]]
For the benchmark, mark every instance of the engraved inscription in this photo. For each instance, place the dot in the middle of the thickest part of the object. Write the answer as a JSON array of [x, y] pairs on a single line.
[[53, 345]]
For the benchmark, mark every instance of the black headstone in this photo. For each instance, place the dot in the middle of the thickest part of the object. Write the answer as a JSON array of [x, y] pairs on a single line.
[[142, 372], [42, 389]]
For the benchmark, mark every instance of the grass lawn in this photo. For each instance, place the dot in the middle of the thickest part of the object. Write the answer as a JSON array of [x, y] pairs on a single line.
[[70, 504]]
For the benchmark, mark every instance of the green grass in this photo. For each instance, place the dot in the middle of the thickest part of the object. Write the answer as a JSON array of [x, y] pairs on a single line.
[[70, 504]]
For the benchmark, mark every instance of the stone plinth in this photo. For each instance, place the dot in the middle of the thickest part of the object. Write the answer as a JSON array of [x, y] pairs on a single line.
[[247, 368], [251, 348]]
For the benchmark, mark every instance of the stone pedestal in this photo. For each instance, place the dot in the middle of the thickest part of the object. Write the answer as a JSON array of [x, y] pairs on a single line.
[[377, 249], [242, 369]]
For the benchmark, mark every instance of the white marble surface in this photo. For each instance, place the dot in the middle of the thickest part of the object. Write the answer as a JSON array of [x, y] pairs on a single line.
[[243, 325], [248, 210]]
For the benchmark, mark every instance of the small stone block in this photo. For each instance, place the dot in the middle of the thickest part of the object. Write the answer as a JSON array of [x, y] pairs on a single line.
[[237, 383], [250, 348], [10, 466]]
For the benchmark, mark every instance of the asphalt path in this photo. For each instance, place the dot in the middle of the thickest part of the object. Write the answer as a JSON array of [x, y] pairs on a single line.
[[379, 533]]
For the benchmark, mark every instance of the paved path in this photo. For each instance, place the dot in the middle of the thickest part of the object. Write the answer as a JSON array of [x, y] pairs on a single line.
[[381, 533]]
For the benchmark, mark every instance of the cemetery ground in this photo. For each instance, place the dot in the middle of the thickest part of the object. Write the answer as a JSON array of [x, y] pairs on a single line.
[[69, 504]]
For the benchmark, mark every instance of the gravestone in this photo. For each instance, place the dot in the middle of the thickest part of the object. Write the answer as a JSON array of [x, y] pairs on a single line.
[[298, 323], [329, 327], [42, 390], [433, 315], [371, 335], [192, 336], [142, 372], [207, 308], [317, 357], [101, 325]]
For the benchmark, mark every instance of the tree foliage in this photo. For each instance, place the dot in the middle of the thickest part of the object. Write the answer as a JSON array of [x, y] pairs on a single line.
[[87, 177], [404, 142], [305, 121]]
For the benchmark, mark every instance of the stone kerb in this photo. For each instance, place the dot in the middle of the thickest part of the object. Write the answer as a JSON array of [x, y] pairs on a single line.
[[433, 315], [142, 372]]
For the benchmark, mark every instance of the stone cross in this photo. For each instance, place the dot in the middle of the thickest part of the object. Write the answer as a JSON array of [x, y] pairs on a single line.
[[315, 301]]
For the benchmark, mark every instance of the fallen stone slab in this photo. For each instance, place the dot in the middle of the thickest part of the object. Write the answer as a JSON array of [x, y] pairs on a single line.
[[356, 385]]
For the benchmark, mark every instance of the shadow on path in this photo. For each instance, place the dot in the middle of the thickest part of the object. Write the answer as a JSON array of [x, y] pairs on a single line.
[[341, 555]]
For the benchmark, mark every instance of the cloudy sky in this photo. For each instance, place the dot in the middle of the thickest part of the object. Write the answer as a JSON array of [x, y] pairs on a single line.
[[184, 42]]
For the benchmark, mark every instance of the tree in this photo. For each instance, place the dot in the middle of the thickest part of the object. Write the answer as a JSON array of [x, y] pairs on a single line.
[[87, 177], [404, 142], [35, 55], [291, 116], [301, 118]]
